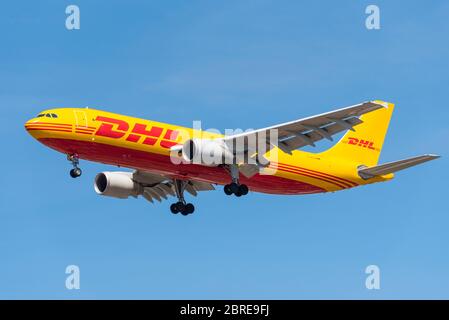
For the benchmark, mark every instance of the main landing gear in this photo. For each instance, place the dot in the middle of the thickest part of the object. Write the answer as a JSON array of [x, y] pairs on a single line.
[[181, 206], [235, 187], [76, 171]]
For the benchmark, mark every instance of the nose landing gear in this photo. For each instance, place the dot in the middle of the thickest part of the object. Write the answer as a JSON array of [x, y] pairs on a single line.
[[235, 187], [76, 171]]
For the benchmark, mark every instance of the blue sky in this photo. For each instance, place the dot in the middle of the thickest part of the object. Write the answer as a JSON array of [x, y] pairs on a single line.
[[230, 64]]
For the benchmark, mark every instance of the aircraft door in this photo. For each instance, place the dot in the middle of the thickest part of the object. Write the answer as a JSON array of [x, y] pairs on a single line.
[[80, 118]]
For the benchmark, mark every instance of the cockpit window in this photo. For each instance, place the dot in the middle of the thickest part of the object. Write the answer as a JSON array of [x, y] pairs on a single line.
[[48, 115]]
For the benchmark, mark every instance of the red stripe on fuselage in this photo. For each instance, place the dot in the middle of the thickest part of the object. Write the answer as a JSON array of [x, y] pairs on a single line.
[[84, 130], [47, 126], [50, 123], [346, 182], [320, 175], [48, 129], [310, 175], [162, 164]]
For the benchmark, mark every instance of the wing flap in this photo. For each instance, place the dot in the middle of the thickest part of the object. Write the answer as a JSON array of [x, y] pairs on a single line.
[[202, 186], [298, 139], [299, 133], [159, 187]]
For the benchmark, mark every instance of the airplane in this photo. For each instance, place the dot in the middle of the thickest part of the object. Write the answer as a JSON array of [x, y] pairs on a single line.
[[150, 148]]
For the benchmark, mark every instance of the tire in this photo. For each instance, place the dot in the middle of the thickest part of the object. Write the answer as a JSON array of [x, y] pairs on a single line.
[[189, 208], [243, 189], [234, 187], [227, 189], [180, 206], [174, 208], [75, 172]]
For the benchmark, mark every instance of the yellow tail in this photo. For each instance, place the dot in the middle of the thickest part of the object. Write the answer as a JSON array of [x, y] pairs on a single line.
[[364, 145]]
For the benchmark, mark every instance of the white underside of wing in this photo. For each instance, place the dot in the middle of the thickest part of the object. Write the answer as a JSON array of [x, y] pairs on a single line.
[[160, 187]]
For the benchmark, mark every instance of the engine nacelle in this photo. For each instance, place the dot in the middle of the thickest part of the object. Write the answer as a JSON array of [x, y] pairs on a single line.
[[206, 152], [116, 184]]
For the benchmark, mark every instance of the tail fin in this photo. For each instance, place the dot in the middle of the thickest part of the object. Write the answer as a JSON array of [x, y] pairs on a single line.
[[364, 144]]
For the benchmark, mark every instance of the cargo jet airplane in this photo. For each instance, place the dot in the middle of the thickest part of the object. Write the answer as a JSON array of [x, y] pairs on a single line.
[[150, 148]]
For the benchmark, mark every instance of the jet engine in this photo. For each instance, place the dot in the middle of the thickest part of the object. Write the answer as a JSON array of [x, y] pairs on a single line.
[[116, 184], [206, 152]]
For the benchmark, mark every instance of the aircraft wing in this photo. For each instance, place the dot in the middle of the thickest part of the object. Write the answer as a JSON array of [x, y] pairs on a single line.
[[299, 133], [160, 187]]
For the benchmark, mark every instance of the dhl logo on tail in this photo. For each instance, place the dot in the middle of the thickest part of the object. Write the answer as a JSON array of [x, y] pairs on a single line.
[[361, 143]]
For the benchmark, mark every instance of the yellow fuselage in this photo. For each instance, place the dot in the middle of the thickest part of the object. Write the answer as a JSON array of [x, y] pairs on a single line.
[[145, 145]]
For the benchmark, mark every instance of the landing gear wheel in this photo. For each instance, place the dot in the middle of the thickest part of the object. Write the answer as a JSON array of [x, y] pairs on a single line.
[[181, 206], [185, 209], [227, 189], [189, 208], [234, 187], [75, 172], [74, 159], [243, 189], [174, 208]]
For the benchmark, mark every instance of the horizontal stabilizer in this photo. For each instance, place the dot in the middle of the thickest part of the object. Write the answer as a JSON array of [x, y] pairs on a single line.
[[391, 167]]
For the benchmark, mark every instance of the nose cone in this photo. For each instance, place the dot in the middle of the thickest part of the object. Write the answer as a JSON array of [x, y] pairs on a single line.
[[42, 123], [30, 122], [48, 124], [30, 126]]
